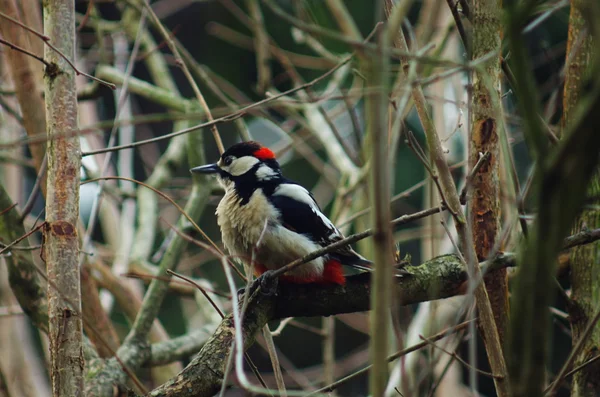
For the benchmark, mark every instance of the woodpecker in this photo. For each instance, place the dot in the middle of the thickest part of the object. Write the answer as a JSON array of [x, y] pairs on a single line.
[[273, 220]]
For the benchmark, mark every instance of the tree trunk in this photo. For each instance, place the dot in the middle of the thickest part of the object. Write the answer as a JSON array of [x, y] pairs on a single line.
[[585, 277], [61, 242], [485, 198]]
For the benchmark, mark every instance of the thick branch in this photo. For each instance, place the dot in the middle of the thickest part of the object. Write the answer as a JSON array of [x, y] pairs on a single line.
[[439, 278], [27, 285]]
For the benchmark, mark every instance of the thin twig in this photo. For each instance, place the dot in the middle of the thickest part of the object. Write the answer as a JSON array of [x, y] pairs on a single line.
[[395, 356], [271, 349], [573, 355], [582, 366], [352, 239], [23, 237], [166, 197], [207, 247], [200, 288], [221, 314], [35, 190], [453, 6], [482, 160], [458, 358], [413, 144], [179, 61], [223, 119], [24, 51]]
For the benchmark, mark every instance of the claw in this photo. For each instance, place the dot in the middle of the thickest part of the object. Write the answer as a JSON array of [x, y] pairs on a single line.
[[267, 282]]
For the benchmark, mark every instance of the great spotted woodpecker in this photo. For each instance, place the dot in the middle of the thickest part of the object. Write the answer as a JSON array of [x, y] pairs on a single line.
[[260, 205]]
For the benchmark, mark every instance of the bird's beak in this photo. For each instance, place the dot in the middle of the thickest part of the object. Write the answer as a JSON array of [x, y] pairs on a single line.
[[206, 169]]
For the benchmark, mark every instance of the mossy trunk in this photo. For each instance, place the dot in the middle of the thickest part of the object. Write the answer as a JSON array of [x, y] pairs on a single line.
[[484, 201], [585, 264]]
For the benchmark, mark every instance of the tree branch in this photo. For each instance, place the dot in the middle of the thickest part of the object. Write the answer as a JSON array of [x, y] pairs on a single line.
[[438, 278], [25, 281]]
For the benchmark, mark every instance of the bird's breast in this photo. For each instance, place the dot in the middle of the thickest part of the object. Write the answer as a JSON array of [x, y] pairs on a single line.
[[242, 225]]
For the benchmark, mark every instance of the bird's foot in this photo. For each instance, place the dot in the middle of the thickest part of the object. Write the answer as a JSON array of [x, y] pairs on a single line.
[[267, 282]]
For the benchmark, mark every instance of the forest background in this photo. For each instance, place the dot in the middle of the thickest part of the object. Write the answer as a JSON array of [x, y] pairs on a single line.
[[462, 135]]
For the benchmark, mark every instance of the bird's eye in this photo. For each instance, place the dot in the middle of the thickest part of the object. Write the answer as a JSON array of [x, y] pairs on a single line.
[[227, 160]]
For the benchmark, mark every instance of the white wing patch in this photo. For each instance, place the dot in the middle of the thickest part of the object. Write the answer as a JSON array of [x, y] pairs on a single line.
[[302, 195]]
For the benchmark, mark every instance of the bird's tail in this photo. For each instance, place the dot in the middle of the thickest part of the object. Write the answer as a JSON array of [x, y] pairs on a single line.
[[355, 260], [359, 262]]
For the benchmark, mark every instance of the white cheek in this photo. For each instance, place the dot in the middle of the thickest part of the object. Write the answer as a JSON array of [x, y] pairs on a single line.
[[242, 165]]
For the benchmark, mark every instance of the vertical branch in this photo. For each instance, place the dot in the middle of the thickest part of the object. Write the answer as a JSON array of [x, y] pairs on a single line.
[[61, 242], [27, 86], [171, 44], [158, 288], [485, 198], [584, 264], [25, 281], [381, 297], [261, 46], [377, 70], [97, 324], [328, 328], [270, 344]]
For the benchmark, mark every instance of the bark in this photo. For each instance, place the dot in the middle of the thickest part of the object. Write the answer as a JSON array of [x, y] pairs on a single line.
[[61, 242], [585, 268], [485, 198]]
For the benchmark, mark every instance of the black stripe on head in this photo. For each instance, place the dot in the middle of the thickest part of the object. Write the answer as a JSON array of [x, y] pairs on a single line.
[[242, 149], [250, 148]]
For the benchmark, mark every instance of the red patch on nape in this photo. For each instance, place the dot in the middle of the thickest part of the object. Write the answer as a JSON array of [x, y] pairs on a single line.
[[264, 154]]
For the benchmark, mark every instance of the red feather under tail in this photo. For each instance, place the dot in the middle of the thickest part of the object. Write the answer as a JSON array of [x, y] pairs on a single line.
[[333, 273]]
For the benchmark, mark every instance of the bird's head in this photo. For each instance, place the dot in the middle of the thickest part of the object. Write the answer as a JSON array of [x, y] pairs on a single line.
[[243, 163]]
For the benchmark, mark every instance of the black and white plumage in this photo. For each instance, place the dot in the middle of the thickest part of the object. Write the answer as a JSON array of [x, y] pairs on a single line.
[[260, 205]]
